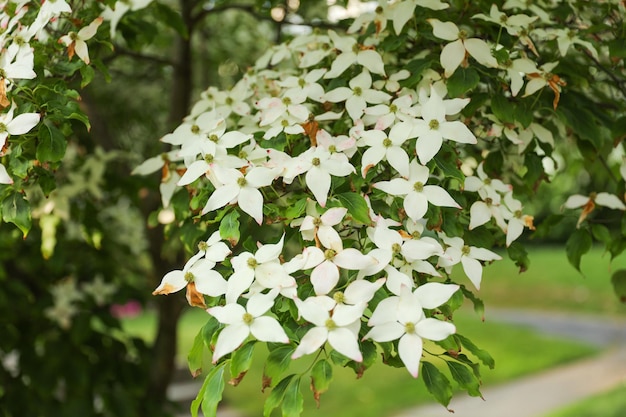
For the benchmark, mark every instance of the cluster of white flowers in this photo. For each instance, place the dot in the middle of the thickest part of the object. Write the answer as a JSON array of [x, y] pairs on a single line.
[[294, 127]]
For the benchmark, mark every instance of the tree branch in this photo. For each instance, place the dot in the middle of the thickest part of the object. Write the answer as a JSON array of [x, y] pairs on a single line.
[[618, 83], [121, 51]]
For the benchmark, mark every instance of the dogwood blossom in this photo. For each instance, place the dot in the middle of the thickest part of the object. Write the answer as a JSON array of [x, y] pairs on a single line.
[[386, 147], [469, 257], [357, 95], [75, 41], [351, 53], [588, 203]]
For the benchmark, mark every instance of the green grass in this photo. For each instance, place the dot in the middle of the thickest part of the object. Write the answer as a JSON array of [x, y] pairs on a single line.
[[551, 283], [608, 404]]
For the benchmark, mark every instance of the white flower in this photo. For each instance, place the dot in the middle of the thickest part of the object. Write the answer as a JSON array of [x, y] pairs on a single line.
[[468, 256], [244, 190], [384, 115], [120, 8], [17, 63], [416, 193], [321, 228], [433, 128], [351, 54], [517, 220], [386, 147], [17, 125], [454, 53], [401, 317], [290, 104], [5, 178], [75, 42], [402, 11], [357, 95], [241, 322], [341, 329], [306, 85]]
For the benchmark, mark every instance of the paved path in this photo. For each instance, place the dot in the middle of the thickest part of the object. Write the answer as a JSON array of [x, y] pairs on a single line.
[[531, 396]]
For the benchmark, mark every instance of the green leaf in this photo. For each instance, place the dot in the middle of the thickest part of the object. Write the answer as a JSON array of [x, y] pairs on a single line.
[[86, 73], [229, 228], [446, 160], [524, 113], [465, 378], [52, 144], [437, 383], [601, 233], [356, 205], [502, 108], [213, 392], [462, 81], [321, 376], [296, 209], [277, 362], [517, 253], [240, 362], [583, 122], [276, 396], [577, 245], [481, 354], [171, 18], [16, 210], [293, 403], [208, 330], [618, 279], [617, 48], [194, 358]]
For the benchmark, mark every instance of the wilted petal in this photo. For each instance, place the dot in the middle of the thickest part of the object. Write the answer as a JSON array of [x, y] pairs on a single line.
[[172, 281]]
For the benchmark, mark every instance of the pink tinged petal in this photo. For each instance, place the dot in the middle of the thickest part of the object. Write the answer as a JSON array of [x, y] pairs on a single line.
[[427, 145], [479, 214], [410, 351], [371, 60], [444, 30], [344, 342], [324, 277], [211, 283], [267, 329], [333, 216], [451, 57], [355, 106], [311, 341], [228, 314], [473, 269], [396, 186], [329, 238], [269, 252], [220, 197], [371, 158], [416, 205], [480, 51], [610, 201], [434, 294], [433, 329], [318, 182], [251, 201], [194, 171], [457, 131], [386, 332], [338, 94], [399, 160], [353, 259], [386, 312], [439, 197], [575, 201], [172, 281], [229, 339], [4, 176], [362, 291]]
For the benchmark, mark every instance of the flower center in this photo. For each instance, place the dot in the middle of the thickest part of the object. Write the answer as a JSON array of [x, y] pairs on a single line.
[[203, 246], [247, 318], [315, 162], [286, 101], [393, 108], [195, 129], [462, 34], [409, 328], [301, 82], [214, 138], [229, 101], [330, 324], [329, 254], [339, 297], [243, 155], [518, 214], [241, 181], [3, 127], [487, 181], [396, 248], [284, 123], [433, 124], [466, 250], [488, 201], [208, 158], [189, 276], [418, 186], [317, 222], [358, 91], [332, 149], [252, 263], [387, 142]]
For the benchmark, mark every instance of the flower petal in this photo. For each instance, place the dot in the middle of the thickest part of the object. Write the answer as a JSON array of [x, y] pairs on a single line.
[[344, 342], [410, 351], [311, 341], [229, 339], [433, 329], [267, 329], [434, 294]]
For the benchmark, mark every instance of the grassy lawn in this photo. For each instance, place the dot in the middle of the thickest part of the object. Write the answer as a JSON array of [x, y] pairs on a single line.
[[551, 283], [609, 404]]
